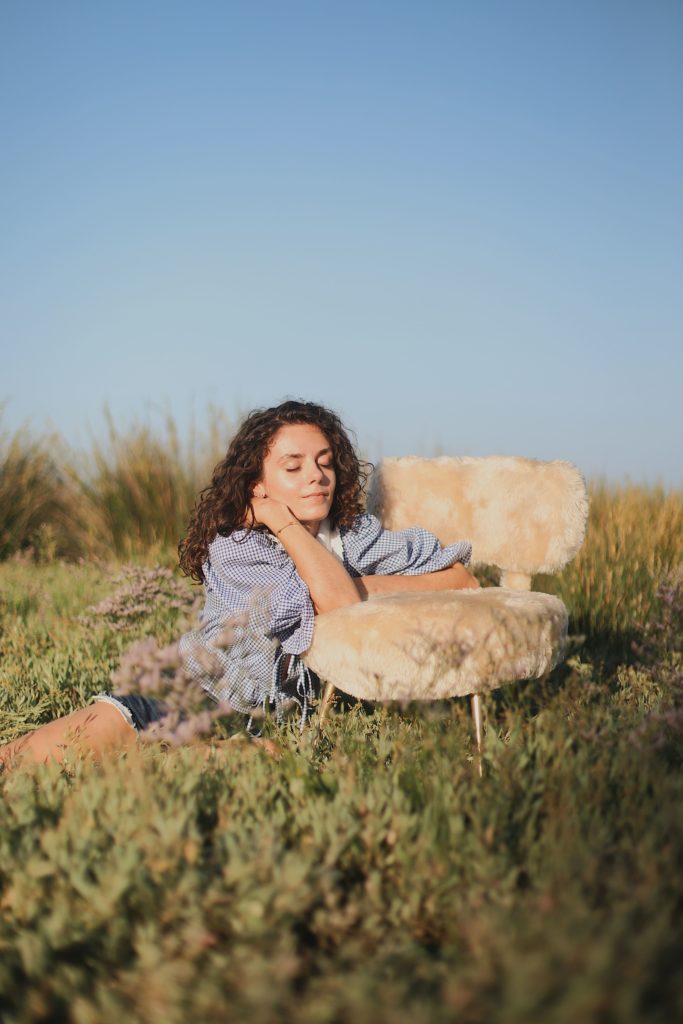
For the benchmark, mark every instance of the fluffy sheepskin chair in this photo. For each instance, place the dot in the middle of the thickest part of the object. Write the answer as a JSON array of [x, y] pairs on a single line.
[[524, 516]]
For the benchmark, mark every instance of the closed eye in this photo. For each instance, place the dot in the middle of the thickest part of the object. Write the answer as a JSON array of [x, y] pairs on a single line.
[[322, 465]]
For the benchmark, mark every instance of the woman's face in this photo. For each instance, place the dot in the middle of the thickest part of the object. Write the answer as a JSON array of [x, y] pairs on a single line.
[[298, 470]]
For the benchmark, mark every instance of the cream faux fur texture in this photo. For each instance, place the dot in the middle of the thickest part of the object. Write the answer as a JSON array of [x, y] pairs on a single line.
[[430, 646], [522, 515]]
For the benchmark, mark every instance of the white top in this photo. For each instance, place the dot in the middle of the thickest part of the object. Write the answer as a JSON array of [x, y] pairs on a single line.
[[331, 539], [328, 537]]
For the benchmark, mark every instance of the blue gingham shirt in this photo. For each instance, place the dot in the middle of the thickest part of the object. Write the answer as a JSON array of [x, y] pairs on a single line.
[[253, 588]]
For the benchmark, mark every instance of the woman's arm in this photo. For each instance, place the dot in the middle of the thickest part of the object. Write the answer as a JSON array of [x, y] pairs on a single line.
[[328, 582], [456, 577]]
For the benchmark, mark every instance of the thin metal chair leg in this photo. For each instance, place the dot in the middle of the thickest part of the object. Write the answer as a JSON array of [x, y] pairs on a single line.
[[325, 702], [475, 702]]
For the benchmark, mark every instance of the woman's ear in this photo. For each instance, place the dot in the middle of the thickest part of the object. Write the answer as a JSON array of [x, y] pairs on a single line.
[[259, 491]]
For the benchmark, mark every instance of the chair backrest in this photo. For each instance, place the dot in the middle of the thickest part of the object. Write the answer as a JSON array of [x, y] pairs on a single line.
[[522, 515]]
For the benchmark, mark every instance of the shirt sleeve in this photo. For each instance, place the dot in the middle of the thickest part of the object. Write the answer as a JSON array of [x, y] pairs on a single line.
[[247, 572], [370, 550]]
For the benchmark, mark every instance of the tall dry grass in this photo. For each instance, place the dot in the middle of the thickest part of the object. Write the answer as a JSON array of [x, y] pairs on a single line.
[[634, 542], [36, 498], [128, 497], [136, 490]]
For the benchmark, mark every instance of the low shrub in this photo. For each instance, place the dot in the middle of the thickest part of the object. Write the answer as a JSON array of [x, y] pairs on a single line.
[[370, 876]]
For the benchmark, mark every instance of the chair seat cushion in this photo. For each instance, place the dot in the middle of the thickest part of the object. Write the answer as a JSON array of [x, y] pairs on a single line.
[[430, 646]]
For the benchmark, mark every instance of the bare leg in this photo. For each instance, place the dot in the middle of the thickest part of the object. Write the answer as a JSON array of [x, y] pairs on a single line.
[[95, 729]]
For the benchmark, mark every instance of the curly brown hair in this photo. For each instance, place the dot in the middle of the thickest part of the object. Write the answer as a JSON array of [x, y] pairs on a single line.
[[223, 505]]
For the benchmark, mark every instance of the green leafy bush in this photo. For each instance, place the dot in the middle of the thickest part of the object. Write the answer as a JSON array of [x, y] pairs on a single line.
[[372, 876]]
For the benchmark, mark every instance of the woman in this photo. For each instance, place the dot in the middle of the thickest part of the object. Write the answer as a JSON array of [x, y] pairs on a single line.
[[278, 537]]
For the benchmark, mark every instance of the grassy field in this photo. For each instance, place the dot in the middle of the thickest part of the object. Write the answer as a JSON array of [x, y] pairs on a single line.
[[374, 877]]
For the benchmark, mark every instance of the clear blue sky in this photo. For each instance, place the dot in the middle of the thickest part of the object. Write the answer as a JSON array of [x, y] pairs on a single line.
[[459, 224]]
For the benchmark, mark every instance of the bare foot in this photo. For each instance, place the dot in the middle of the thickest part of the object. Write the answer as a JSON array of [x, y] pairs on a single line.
[[220, 748]]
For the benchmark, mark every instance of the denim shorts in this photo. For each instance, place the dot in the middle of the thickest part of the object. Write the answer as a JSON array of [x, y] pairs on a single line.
[[138, 711]]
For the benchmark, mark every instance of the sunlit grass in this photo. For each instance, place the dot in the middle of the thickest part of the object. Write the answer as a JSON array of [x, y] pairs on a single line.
[[36, 500], [371, 876], [634, 541], [128, 497]]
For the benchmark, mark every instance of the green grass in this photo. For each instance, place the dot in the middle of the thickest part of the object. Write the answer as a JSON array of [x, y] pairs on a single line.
[[374, 877]]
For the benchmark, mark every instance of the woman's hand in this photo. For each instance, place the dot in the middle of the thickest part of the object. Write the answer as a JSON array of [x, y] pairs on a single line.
[[268, 512], [462, 578], [328, 582]]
